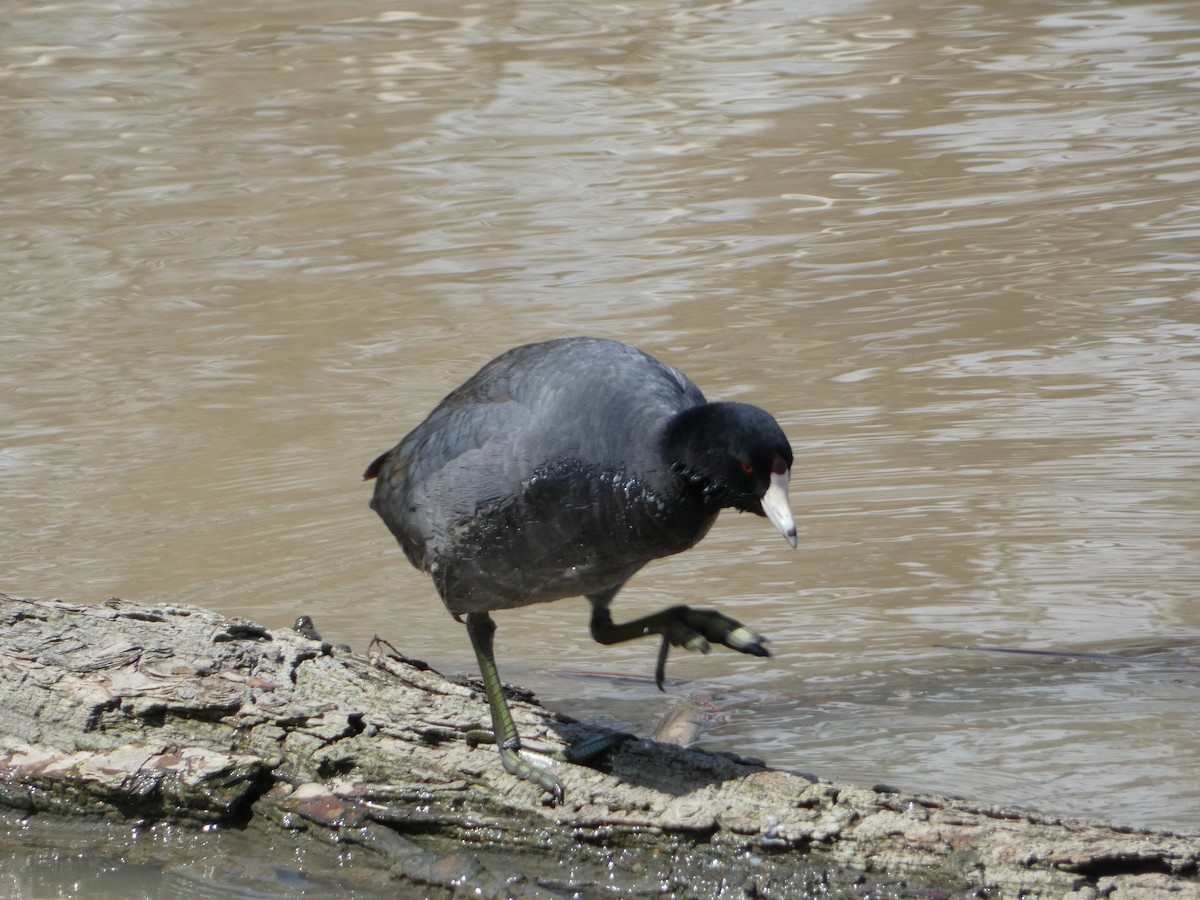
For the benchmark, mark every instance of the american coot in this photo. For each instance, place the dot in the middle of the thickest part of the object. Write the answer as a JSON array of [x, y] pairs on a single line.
[[559, 470]]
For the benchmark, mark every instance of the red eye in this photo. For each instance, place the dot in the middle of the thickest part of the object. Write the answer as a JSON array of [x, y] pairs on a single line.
[[747, 468]]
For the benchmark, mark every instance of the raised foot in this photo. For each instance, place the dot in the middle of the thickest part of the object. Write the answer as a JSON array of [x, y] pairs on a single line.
[[698, 629]]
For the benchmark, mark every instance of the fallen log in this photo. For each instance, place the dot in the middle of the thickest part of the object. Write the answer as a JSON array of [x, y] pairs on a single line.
[[166, 712]]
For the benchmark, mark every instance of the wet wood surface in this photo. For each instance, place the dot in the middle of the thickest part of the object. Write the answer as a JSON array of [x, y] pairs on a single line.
[[166, 712]]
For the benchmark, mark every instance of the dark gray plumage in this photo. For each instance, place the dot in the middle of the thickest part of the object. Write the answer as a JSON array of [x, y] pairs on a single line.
[[559, 470]]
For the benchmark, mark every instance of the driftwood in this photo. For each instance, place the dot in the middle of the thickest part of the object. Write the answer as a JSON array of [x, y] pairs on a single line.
[[168, 712]]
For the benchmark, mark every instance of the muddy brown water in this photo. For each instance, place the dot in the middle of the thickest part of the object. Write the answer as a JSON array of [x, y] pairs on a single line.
[[954, 247]]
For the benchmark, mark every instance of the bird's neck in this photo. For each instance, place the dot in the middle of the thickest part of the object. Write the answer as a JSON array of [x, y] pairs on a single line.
[[693, 458]]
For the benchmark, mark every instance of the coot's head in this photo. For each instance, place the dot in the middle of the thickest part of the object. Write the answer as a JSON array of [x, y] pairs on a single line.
[[739, 456]]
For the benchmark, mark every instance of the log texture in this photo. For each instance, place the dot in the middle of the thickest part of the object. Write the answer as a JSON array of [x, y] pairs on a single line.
[[160, 712]]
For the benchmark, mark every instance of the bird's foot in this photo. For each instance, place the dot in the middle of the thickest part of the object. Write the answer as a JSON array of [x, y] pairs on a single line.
[[521, 763], [532, 765], [693, 629], [698, 629]]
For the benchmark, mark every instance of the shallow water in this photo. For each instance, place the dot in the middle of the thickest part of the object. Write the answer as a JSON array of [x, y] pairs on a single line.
[[952, 246]]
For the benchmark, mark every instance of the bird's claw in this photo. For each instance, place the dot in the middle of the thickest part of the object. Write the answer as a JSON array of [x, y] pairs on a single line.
[[534, 766], [694, 629], [516, 762]]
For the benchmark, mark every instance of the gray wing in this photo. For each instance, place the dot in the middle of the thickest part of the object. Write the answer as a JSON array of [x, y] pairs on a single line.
[[516, 453]]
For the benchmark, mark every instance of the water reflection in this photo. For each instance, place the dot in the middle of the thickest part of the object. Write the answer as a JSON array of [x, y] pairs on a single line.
[[952, 247]]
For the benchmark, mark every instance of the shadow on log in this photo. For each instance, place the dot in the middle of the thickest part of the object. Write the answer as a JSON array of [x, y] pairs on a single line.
[[174, 713]]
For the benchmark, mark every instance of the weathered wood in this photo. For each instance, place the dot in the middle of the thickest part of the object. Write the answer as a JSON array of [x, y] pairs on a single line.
[[173, 712]]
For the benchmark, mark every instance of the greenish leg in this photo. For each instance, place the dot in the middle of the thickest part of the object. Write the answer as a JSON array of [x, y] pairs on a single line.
[[481, 628]]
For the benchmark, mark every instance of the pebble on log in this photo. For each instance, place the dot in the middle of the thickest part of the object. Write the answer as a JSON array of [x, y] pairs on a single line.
[[166, 712]]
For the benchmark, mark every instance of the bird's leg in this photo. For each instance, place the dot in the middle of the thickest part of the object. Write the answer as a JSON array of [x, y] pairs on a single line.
[[680, 626], [504, 733], [481, 628]]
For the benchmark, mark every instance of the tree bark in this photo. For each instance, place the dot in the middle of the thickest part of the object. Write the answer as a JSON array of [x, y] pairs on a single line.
[[169, 712]]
